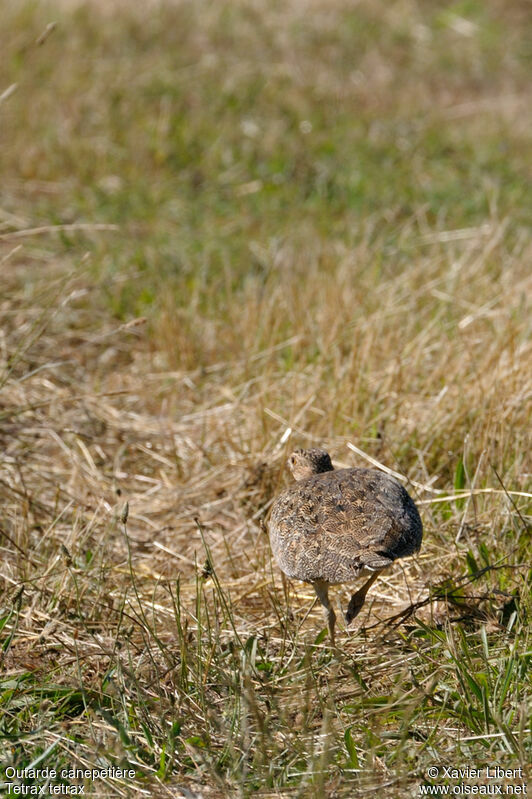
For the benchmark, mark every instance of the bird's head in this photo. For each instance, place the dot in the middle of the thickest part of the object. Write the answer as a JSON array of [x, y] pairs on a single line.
[[305, 462]]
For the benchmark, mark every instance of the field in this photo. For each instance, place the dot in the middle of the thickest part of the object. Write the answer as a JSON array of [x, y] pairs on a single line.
[[227, 230]]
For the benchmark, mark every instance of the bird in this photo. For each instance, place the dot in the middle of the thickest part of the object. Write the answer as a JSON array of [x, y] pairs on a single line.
[[335, 525]]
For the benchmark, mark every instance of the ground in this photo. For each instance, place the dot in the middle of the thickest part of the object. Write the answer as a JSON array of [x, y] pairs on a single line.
[[228, 230]]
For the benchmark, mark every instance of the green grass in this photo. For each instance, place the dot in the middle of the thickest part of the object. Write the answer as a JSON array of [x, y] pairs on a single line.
[[219, 221]]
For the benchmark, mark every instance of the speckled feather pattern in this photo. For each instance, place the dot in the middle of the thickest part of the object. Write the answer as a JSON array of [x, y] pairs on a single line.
[[335, 525]]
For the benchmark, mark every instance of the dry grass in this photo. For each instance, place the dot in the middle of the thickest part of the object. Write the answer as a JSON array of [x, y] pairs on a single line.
[[173, 324]]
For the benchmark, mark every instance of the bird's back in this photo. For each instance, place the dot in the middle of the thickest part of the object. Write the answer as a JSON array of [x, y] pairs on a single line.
[[333, 525]]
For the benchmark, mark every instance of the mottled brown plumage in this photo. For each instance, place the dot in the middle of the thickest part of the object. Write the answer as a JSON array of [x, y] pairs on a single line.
[[333, 526]]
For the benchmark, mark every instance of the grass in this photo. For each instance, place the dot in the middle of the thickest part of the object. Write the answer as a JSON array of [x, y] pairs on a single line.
[[229, 229]]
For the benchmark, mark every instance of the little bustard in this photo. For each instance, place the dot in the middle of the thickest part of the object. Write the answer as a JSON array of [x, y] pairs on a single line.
[[335, 525]]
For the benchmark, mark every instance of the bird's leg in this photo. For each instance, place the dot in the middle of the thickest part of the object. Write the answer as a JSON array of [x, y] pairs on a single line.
[[322, 592], [286, 593], [357, 600]]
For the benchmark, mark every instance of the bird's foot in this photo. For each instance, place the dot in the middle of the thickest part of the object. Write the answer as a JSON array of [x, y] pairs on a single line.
[[356, 603]]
